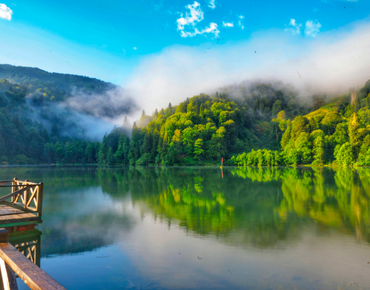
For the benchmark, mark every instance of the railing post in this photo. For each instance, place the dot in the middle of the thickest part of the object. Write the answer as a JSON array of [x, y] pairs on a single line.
[[14, 182], [26, 194], [8, 276], [40, 197]]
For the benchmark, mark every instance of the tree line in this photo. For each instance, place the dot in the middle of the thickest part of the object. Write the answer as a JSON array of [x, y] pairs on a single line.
[[336, 134], [261, 125]]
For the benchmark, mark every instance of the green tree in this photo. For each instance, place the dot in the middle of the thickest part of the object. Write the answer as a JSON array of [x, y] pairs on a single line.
[[198, 151]]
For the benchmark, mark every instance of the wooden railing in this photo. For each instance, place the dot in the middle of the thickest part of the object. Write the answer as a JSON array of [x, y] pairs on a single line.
[[25, 195], [14, 262]]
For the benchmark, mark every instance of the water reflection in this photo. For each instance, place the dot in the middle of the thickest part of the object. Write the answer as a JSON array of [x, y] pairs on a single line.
[[273, 225], [267, 204], [28, 243]]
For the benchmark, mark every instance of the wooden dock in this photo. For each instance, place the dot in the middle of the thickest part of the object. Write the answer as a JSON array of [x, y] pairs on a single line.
[[13, 262], [21, 209]]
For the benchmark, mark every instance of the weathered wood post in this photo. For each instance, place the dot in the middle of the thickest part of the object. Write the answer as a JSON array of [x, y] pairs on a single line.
[[26, 194], [14, 183], [40, 198], [8, 276]]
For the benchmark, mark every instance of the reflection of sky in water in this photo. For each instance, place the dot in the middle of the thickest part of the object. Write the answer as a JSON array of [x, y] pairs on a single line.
[[111, 236]]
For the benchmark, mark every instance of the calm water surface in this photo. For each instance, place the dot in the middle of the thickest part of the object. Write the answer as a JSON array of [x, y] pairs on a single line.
[[191, 228]]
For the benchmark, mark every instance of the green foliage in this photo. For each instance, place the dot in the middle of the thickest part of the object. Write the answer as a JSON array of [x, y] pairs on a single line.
[[333, 132], [43, 86], [262, 126], [198, 151], [344, 154]]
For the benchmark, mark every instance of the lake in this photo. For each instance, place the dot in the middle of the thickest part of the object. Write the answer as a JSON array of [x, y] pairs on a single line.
[[203, 228]]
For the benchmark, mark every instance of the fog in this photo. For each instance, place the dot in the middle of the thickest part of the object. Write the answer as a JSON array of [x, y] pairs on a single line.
[[330, 63], [112, 104]]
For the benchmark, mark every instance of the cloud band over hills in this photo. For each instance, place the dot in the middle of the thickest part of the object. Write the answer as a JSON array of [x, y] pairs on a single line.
[[332, 62]]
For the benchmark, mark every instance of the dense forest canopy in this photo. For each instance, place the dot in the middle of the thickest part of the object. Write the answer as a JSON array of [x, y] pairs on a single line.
[[56, 86], [51, 94], [38, 109], [246, 124]]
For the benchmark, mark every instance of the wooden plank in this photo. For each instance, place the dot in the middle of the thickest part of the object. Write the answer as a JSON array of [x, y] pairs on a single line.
[[5, 197], [4, 275], [9, 281], [16, 206], [24, 181], [8, 210], [33, 194], [7, 214], [33, 276], [18, 216], [19, 219], [5, 209]]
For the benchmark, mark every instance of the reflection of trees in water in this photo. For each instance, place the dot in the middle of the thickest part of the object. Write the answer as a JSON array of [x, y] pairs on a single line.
[[336, 198], [249, 206], [193, 197], [258, 206], [205, 203]]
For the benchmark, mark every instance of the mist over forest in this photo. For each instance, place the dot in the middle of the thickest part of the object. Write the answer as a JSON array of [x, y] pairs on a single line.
[[80, 107], [58, 118]]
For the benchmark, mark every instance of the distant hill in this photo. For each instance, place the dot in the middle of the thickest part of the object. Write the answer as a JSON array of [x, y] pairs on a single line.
[[66, 82], [82, 94], [38, 108]]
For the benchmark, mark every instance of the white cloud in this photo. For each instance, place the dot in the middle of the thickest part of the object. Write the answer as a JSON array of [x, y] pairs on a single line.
[[211, 29], [5, 12], [135, 48], [329, 64], [241, 21], [191, 19], [212, 4], [294, 27], [312, 28], [227, 24], [196, 15]]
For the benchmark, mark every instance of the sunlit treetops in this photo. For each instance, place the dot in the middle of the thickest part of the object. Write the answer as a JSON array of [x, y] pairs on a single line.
[[260, 125]]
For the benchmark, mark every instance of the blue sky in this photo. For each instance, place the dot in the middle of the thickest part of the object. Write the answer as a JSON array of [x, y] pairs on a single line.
[[110, 39]]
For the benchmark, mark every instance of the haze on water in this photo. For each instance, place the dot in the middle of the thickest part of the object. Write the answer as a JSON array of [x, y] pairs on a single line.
[[203, 228]]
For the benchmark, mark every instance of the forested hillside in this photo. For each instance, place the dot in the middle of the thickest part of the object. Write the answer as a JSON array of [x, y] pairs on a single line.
[[254, 124], [337, 133], [45, 86], [35, 114]]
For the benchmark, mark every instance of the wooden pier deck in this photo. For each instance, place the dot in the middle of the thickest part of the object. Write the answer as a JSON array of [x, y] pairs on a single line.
[[22, 207], [10, 217], [20, 211]]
